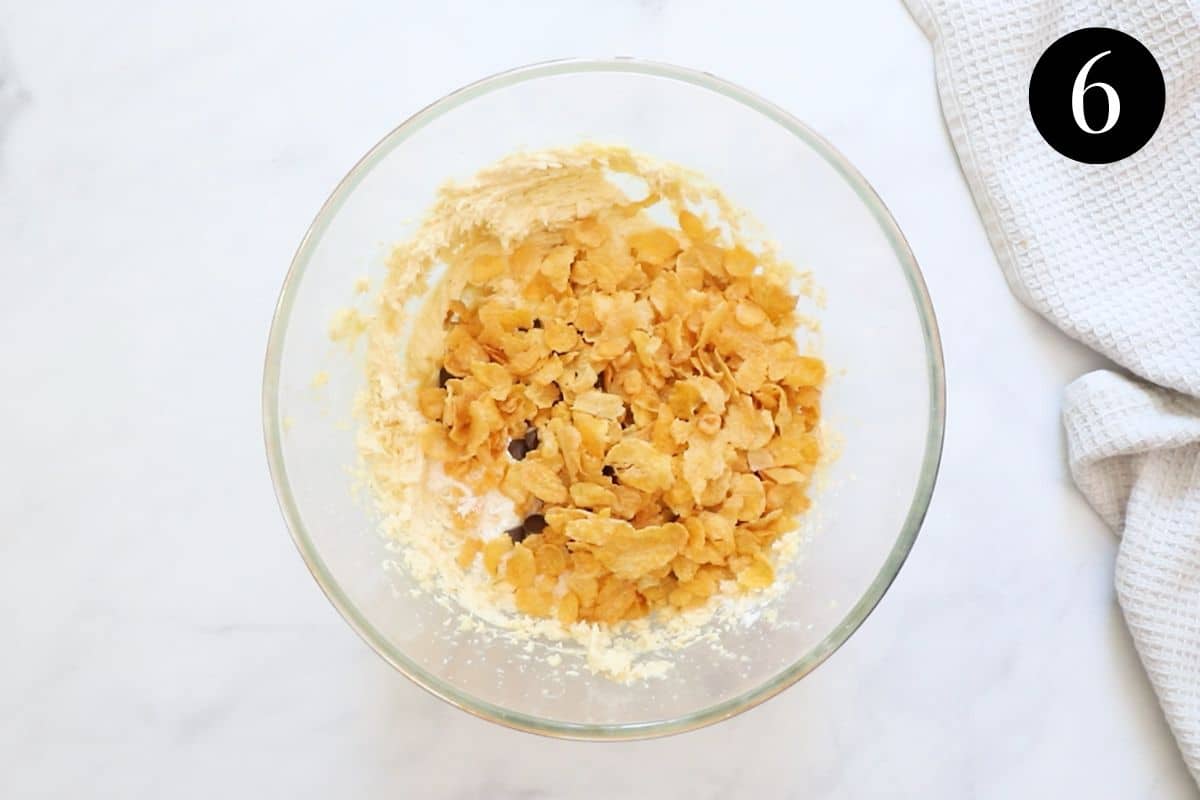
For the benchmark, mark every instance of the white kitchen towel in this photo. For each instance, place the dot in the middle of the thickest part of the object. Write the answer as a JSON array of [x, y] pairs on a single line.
[[1111, 255]]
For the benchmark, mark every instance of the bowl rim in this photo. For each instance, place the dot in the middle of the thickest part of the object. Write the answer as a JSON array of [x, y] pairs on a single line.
[[854, 617]]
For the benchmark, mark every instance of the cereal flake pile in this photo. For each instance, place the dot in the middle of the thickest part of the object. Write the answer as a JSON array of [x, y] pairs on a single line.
[[633, 387]]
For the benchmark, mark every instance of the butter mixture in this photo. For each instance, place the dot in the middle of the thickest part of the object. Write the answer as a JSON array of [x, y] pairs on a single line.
[[588, 416]]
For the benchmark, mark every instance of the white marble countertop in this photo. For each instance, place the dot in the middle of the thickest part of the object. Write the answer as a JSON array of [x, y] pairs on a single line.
[[161, 636]]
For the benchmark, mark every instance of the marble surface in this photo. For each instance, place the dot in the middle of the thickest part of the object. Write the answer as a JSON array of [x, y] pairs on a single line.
[[160, 634]]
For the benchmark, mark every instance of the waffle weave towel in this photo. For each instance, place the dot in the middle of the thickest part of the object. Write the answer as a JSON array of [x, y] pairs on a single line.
[[1111, 255]]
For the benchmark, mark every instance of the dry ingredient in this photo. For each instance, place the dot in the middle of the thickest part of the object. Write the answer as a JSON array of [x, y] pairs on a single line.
[[605, 428]]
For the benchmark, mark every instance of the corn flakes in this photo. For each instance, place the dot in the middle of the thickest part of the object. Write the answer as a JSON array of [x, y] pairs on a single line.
[[638, 389]]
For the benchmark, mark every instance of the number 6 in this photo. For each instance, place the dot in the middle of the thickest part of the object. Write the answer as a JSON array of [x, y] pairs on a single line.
[[1080, 89]]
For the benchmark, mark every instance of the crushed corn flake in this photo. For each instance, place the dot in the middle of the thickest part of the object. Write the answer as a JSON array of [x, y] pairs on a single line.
[[654, 368]]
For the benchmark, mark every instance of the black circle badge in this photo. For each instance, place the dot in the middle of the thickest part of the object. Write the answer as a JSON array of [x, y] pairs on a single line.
[[1097, 95]]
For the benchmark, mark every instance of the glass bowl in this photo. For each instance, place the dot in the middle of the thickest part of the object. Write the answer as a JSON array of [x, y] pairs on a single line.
[[884, 403]]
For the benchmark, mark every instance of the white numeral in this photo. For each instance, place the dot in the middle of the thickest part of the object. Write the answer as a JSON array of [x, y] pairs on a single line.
[[1081, 88]]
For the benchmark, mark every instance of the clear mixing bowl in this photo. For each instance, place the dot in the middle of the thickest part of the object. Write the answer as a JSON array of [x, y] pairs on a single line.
[[884, 402]]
